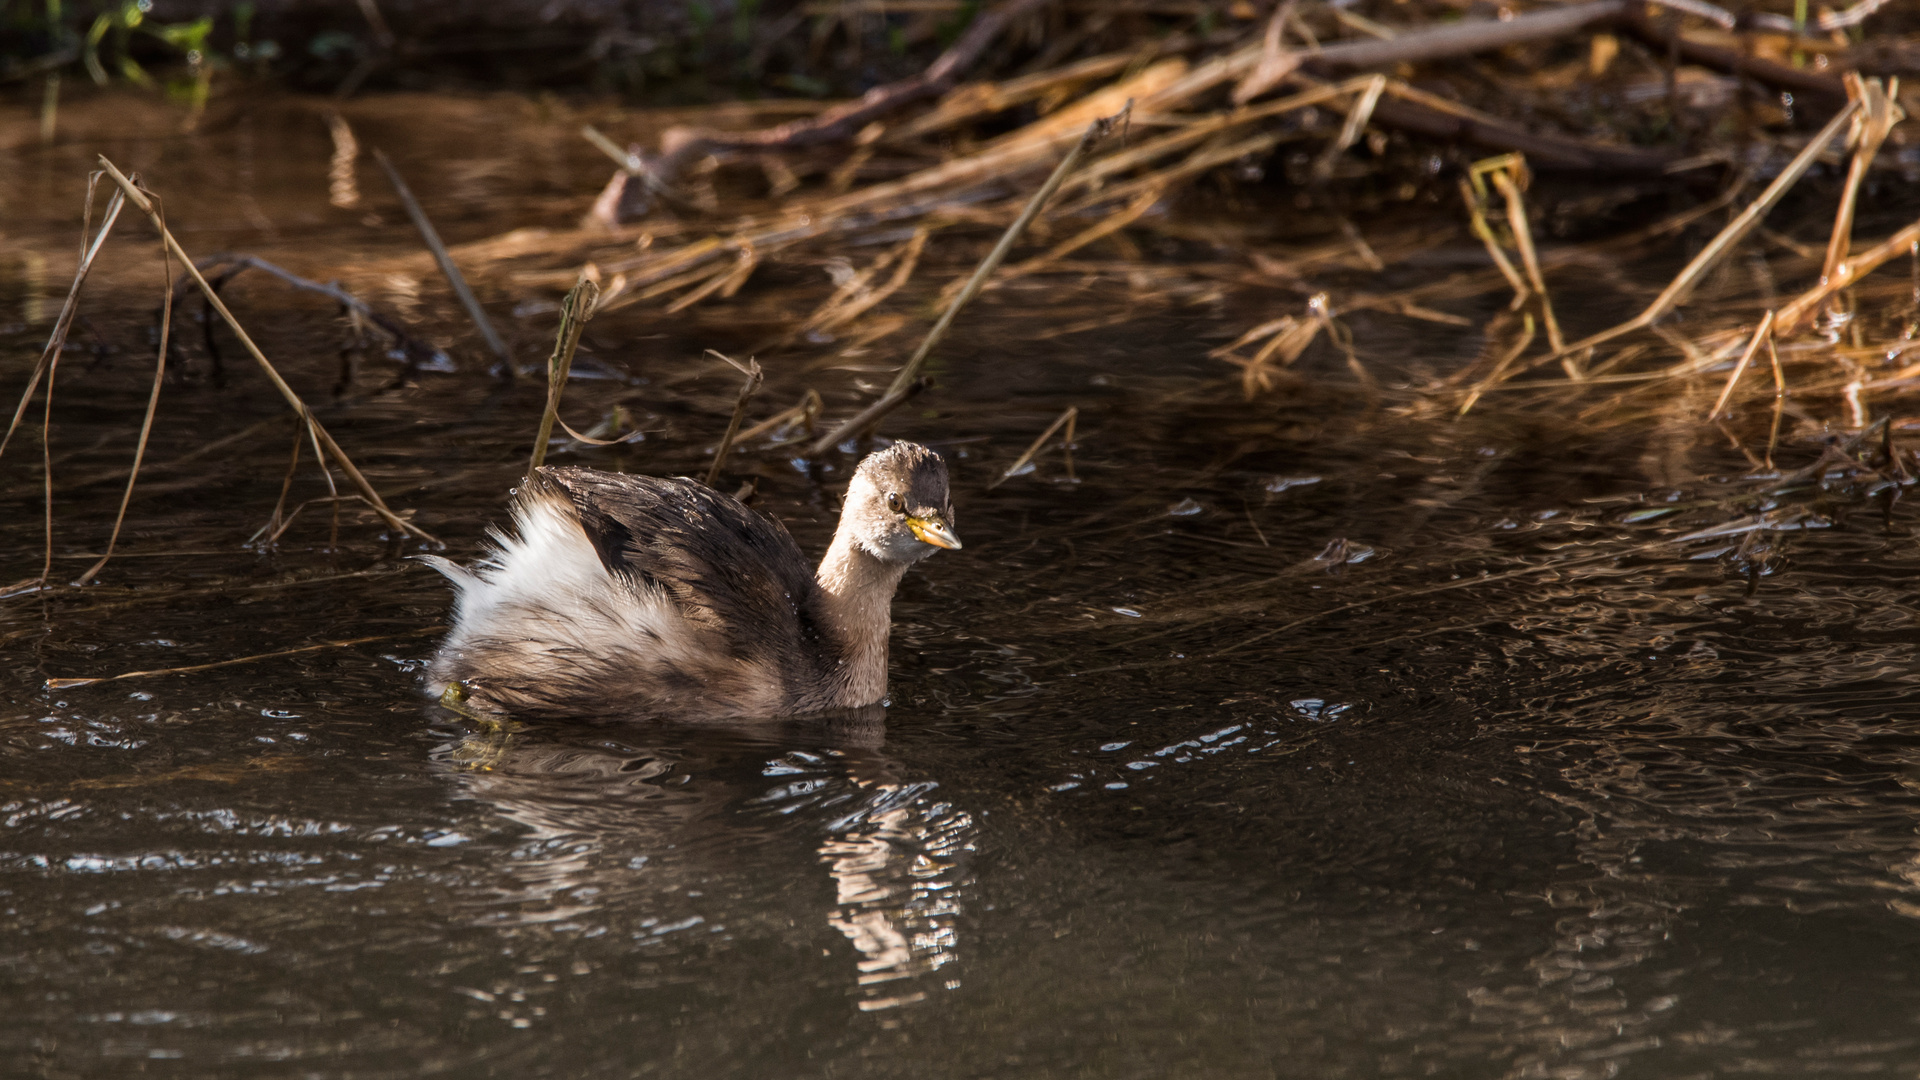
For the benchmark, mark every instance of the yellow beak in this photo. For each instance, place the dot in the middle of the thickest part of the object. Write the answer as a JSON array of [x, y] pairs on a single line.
[[930, 531]]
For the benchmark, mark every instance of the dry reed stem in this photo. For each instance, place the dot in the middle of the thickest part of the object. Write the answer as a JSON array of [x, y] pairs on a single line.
[[46, 464], [333, 491], [1760, 333], [1508, 174], [431, 236], [975, 100], [1276, 60], [1779, 399], [867, 417], [1689, 277], [320, 435], [1067, 444], [1113, 223], [57, 340], [864, 300], [727, 282], [1358, 242], [1202, 159], [1096, 130], [50, 364], [1802, 309], [1477, 217], [1358, 115], [803, 224], [1106, 102], [146, 423], [1510, 182], [1291, 336], [679, 261], [781, 179], [754, 377], [849, 291], [1194, 131], [277, 526], [1500, 369], [809, 408], [1878, 113], [629, 295], [629, 162], [992, 164], [274, 526], [855, 297], [1067, 417], [1265, 329], [69, 684], [575, 310]]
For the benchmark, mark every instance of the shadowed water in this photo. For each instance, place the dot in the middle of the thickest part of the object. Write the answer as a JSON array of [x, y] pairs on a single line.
[[1309, 737]]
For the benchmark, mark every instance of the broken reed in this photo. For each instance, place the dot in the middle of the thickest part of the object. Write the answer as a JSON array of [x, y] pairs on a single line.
[[575, 310]]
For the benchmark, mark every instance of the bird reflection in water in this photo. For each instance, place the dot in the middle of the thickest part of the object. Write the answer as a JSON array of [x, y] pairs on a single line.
[[897, 867], [644, 829]]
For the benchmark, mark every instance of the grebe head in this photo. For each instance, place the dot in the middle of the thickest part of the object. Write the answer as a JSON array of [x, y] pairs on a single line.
[[898, 509]]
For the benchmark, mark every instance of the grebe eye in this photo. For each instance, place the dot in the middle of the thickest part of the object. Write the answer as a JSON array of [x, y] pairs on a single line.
[[893, 502]]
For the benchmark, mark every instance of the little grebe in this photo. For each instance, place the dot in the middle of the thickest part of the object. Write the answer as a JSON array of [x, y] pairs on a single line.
[[628, 595]]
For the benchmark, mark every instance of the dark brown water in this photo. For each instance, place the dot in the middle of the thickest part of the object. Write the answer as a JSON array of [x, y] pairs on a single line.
[[1191, 768]]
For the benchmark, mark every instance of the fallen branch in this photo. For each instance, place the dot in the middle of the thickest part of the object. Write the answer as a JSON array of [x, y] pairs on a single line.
[[624, 199], [1828, 90], [418, 352]]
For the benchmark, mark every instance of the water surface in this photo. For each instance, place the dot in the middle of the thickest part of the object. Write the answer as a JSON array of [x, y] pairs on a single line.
[[1316, 736]]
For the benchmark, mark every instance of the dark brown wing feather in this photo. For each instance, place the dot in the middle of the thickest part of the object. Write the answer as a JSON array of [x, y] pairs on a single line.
[[733, 572]]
